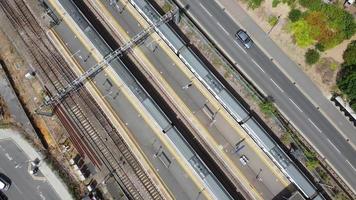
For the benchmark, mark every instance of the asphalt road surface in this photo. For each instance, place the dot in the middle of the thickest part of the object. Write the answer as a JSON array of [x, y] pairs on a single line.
[[14, 164], [271, 80]]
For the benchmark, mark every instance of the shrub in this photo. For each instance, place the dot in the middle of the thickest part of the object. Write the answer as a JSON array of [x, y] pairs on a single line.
[[254, 3], [289, 2], [294, 15], [349, 54], [268, 108], [275, 3], [312, 56], [320, 47], [272, 20], [311, 4]]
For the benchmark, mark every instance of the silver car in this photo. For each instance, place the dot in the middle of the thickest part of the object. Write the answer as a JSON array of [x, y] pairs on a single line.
[[244, 38]]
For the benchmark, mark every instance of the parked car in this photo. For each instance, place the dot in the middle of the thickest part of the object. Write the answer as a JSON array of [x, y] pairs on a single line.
[[4, 182], [244, 160], [3, 196], [244, 38]]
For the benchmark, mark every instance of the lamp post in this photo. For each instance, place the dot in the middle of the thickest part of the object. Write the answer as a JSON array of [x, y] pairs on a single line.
[[199, 193], [274, 25]]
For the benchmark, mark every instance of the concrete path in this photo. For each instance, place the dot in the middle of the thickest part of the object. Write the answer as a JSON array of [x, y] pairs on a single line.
[[51, 177]]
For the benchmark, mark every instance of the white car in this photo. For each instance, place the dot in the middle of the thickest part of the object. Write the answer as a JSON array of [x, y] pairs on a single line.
[[4, 185], [244, 160]]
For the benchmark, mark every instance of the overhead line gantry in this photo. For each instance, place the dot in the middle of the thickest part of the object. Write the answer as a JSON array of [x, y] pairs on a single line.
[[91, 72]]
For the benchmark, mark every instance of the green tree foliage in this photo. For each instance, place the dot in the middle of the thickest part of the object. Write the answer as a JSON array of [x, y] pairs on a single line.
[[302, 32], [330, 23], [349, 54], [294, 15], [347, 83], [312, 56], [346, 79]]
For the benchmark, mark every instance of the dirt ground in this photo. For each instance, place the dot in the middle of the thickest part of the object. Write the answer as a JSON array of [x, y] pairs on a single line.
[[323, 76]]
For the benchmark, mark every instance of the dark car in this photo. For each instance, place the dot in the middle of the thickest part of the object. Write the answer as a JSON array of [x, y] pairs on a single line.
[[244, 38], [3, 196], [4, 182]]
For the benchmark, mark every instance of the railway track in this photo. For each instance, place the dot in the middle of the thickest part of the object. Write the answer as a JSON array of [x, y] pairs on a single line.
[[84, 121]]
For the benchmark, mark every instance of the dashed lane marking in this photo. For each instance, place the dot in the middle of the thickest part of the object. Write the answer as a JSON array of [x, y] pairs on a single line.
[[258, 66], [295, 105], [332, 144], [206, 10], [348, 162], [227, 33], [277, 85], [242, 48], [314, 125]]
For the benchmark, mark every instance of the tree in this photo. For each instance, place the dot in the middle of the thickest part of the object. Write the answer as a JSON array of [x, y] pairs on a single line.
[[346, 82], [312, 56], [294, 15], [349, 54], [302, 32]]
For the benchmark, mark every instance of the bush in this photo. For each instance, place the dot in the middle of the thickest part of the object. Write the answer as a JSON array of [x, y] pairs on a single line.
[[312, 56], [320, 47], [275, 3], [268, 108], [349, 54], [311, 4], [272, 20], [254, 3], [294, 15]]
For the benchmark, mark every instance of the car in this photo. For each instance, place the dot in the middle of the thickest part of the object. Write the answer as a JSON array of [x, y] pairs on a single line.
[[244, 160], [244, 38], [3, 196], [4, 183]]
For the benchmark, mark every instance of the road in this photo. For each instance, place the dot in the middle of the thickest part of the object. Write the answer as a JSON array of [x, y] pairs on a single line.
[[290, 97], [14, 164]]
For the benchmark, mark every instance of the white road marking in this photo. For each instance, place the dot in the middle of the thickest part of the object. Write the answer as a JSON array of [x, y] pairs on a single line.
[[348, 162], [314, 125], [295, 105], [258, 66], [277, 85], [333, 146], [206, 10], [227, 33], [8, 156], [243, 49]]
